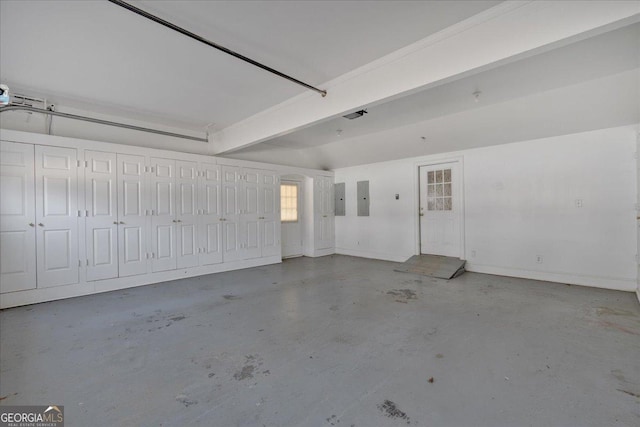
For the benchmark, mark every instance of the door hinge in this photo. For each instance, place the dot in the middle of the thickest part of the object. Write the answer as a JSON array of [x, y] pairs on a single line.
[[78, 163], [87, 262], [79, 213], [79, 263]]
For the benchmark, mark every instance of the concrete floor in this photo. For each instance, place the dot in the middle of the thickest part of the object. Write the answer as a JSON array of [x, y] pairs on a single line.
[[333, 341]]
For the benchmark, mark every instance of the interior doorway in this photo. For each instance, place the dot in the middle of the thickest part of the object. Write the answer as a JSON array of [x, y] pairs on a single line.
[[291, 196], [440, 209]]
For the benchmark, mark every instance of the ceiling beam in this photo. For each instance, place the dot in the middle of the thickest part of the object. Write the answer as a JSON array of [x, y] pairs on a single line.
[[505, 32]]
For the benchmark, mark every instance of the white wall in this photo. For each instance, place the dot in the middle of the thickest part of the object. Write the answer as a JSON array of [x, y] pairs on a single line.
[[520, 203]]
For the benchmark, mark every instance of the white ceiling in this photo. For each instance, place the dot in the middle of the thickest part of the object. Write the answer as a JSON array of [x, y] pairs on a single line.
[[585, 85], [100, 57]]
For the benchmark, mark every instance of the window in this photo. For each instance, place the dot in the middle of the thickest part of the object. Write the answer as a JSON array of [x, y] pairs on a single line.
[[439, 196], [289, 202]]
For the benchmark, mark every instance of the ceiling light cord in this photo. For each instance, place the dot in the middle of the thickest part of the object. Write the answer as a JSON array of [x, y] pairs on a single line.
[[194, 36]]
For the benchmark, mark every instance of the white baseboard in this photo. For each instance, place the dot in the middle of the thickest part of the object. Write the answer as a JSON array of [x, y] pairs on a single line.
[[372, 255], [614, 283], [323, 252], [34, 296]]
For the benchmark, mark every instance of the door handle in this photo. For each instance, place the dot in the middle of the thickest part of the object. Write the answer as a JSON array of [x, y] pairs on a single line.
[[421, 214], [41, 224], [179, 220], [115, 222], [31, 224], [173, 220], [122, 222], [260, 217]]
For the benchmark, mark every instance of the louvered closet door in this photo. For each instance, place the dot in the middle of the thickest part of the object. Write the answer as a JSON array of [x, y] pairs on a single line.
[[164, 214], [101, 225], [232, 250], [186, 215], [132, 222], [17, 218], [249, 222], [210, 227], [56, 216], [268, 210]]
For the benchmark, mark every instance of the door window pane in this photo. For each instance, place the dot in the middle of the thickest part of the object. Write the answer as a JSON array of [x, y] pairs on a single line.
[[439, 190]]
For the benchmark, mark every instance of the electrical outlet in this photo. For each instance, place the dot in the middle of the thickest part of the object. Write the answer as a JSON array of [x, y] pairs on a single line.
[[539, 259], [578, 203]]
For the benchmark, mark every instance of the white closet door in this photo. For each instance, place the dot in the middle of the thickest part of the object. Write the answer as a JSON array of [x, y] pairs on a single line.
[[210, 227], [163, 222], [132, 222], [186, 215], [17, 216], [101, 225], [232, 250], [269, 213], [56, 216], [249, 222]]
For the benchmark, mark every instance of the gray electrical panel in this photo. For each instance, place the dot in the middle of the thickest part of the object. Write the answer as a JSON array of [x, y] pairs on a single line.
[[338, 191], [363, 198]]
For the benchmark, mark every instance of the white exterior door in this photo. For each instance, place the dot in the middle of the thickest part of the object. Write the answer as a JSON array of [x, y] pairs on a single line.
[[163, 221], [249, 223], [17, 218], [132, 221], [324, 218], [269, 218], [186, 214], [210, 227], [56, 216], [440, 210], [231, 239], [101, 225]]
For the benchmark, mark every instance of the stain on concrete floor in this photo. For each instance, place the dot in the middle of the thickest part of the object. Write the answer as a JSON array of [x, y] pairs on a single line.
[[403, 295], [391, 410]]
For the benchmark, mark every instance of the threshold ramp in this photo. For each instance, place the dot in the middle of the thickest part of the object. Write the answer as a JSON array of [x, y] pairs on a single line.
[[441, 267]]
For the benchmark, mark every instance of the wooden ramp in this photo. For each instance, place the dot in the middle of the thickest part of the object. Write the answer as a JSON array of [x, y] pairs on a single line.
[[442, 267]]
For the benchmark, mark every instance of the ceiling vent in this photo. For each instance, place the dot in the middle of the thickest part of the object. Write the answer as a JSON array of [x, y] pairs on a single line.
[[355, 115]]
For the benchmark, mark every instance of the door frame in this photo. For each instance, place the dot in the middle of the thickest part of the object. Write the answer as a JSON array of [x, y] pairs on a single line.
[[459, 199]]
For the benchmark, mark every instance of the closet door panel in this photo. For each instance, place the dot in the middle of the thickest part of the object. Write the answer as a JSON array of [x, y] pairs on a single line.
[[210, 224], [17, 217], [56, 216], [163, 194], [101, 223], [231, 202], [187, 214], [132, 221]]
